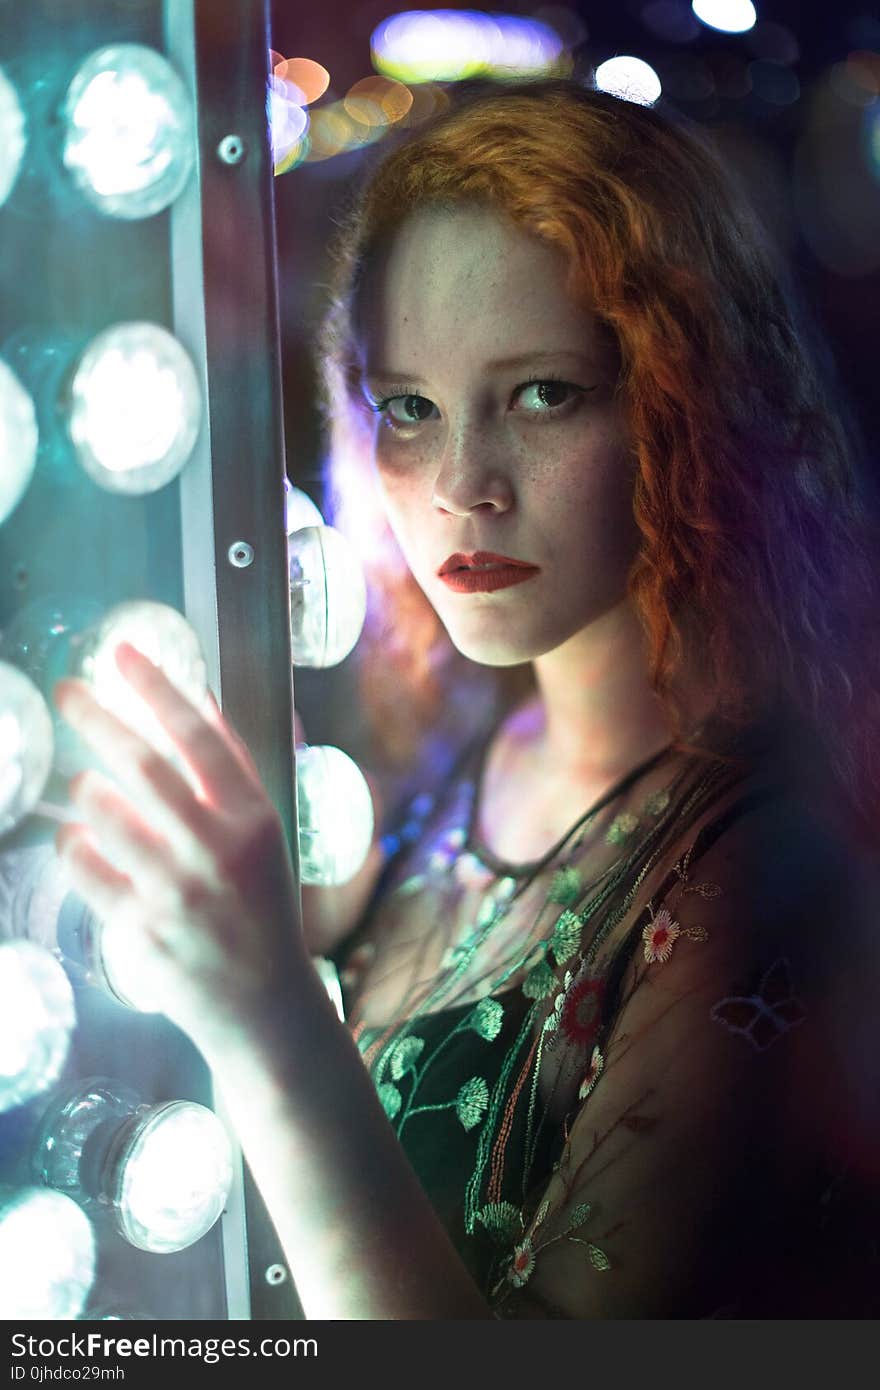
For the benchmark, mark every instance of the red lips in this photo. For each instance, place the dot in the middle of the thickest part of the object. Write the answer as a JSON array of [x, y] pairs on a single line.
[[460, 561], [483, 572]]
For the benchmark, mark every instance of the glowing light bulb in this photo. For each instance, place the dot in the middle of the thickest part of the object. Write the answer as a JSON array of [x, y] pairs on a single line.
[[166, 638], [173, 1178], [629, 78], [730, 16], [164, 1171], [130, 135], [12, 137], [135, 408], [125, 965], [37, 1018], [328, 596], [18, 440], [335, 813], [299, 509], [26, 746], [47, 1255]]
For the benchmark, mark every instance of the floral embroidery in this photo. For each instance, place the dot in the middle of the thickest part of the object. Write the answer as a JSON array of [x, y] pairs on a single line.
[[656, 803], [621, 828], [659, 936], [404, 1056], [486, 1019], [521, 1265], [566, 887], [766, 1013], [580, 1014], [502, 1220], [390, 1098], [539, 982], [597, 1062], [566, 936], [471, 1102]]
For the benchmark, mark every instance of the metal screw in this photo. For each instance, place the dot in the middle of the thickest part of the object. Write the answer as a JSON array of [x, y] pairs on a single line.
[[241, 555], [231, 149], [276, 1274]]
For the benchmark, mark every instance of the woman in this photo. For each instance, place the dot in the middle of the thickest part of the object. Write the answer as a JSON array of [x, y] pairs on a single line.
[[604, 983]]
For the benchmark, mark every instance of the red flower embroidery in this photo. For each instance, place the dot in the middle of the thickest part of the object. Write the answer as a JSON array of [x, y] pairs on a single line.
[[581, 1011], [597, 1062], [660, 936], [521, 1265]]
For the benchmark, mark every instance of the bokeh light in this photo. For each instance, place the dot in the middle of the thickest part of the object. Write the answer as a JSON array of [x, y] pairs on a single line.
[[450, 45], [47, 1256], [309, 78], [27, 746], [130, 133], [12, 137], [335, 815], [135, 408], [37, 1019], [288, 121], [630, 78], [730, 16], [377, 101]]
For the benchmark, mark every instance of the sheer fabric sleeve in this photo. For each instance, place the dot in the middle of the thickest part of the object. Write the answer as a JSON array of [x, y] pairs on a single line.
[[698, 1173]]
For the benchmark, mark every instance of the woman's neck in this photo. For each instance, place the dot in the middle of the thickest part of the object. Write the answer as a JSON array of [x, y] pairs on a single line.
[[595, 714]]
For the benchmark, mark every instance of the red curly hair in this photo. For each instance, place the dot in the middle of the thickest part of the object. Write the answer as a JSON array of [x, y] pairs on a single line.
[[755, 561]]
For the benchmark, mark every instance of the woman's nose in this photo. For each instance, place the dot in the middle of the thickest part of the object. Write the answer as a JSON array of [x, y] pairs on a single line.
[[468, 477]]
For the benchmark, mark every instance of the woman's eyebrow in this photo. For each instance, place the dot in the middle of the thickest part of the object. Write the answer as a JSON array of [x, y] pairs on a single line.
[[524, 359]]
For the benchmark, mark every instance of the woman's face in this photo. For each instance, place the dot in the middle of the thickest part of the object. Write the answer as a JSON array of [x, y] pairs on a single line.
[[497, 431]]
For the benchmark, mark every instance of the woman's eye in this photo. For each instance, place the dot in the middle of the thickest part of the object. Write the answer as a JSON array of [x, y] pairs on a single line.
[[545, 396], [407, 410]]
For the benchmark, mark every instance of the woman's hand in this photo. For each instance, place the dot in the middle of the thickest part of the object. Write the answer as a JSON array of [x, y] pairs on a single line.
[[195, 866]]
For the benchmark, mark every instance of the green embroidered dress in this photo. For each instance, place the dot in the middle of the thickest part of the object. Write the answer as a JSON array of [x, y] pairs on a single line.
[[617, 1069]]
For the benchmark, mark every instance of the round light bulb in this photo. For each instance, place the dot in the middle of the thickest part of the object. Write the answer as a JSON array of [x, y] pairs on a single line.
[[26, 746], [172, 1178], [130, 136], [328, 596], [124, 965], [12, 137], [299, 509], [166, 638], [47, 1256], [18, 440], [135, 408], [335, 813], [165, 1171], [37, 1018]]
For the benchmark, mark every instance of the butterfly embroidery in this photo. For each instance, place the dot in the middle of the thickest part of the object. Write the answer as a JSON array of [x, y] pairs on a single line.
[[765, 1015]]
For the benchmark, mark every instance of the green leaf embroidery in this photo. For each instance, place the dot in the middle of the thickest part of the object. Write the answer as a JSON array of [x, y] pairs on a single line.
[[621, 827], [487, 1018], [598, 1258], [539, 982], [566, 937], [404, 1056], [503, 1222], [578, 1217], [471, 1101], [565, 887], [390, 1098]]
